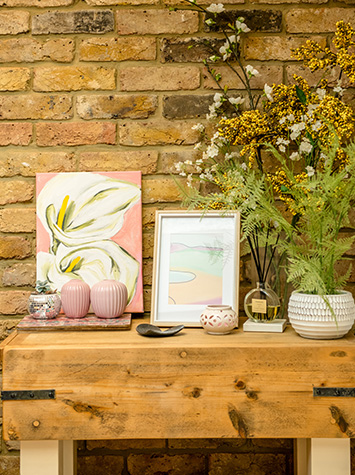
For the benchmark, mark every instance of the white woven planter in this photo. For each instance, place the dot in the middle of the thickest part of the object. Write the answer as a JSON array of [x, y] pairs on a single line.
[[310, 316]]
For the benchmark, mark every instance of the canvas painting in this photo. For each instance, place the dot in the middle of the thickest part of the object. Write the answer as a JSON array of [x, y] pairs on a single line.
[[89, 227], [196, 269]]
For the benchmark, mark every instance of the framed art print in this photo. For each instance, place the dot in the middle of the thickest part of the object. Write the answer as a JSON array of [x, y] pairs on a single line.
[[196, 263], [89, 227]]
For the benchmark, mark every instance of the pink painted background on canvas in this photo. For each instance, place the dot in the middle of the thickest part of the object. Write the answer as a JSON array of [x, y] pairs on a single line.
[[129, 237]]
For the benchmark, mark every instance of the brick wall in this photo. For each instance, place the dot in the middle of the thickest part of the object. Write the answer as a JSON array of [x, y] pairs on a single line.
[[100, 85]]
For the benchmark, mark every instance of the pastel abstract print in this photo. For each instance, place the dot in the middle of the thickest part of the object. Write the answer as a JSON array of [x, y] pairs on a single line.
[[89, 227], [196, 269]]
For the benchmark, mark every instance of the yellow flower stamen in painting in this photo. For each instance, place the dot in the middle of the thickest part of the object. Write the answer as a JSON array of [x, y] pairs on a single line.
[[62, 211], [73, 264]]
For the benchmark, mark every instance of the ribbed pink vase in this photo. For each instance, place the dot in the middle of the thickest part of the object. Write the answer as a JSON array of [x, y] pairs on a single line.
[[75, 296], [109, 298]]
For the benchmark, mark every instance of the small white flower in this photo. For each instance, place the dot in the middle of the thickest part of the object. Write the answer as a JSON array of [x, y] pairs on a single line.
[[317, 125], [296, 130], [310, 171], [198, 146], [178, 166], [236, 100], [213, 113], [198, 127], [321, 93], [282, 120], [268, 92], [306, 146], [224, 50], [290, 117], [295, 156], [339, 90], [244, 166], [212, 151], [188, 162], [251, 71], [241, 26], [282, 141], [215, 8], [217, 99], [311, 108], [232, 39], [282, 148]]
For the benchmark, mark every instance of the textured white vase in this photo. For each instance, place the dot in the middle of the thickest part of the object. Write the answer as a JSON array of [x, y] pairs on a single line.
[[218, 319], [311, 317]]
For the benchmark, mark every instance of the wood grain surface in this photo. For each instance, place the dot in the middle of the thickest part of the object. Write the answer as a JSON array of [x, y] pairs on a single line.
[[112, 385]]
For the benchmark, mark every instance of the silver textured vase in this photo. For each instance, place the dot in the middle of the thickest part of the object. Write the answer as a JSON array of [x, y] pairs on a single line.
[[311, 317], [44, 306]]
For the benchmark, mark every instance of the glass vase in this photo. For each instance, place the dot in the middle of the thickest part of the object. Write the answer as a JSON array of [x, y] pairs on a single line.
[[262, 304]]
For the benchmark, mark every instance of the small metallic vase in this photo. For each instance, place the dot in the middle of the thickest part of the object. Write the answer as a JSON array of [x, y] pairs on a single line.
[[44, 306]]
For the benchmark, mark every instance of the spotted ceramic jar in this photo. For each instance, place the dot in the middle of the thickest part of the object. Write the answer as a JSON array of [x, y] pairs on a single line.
[[219, 319]]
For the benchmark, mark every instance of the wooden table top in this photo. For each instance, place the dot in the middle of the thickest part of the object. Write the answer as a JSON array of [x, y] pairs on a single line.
[[191, 337], [119, 384]]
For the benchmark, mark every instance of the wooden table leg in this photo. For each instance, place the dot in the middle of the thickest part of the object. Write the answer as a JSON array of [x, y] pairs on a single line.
[[322, 456], [43, 457]]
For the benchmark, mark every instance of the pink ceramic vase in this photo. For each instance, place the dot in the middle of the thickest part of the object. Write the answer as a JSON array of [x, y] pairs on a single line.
[[75, 296], [109, 298]]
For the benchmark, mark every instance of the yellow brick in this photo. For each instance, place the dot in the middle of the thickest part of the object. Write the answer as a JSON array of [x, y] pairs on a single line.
[[17, 220], [35, 106], [14, 247], [317, 20], [29, 50], [14, 79], [148, 22], [13, 302], [145, 161], [13, 23], [72, 78], [72, 134], [17, 163], [160, 190], [159, 132], [266, 48], [268, 74], [15, 133], [36, 3], [118, 49], [16, 191], [116, 106], [167, 78]]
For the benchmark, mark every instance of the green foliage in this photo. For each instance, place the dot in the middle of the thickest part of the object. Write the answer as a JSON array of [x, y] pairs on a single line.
[[43, 287], [314, 244]]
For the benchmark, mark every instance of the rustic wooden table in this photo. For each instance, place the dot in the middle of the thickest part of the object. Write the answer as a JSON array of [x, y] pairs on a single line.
[[118, 384]]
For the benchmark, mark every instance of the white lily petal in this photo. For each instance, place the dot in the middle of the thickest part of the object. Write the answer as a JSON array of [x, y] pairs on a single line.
[[91, 263], [79, 209]]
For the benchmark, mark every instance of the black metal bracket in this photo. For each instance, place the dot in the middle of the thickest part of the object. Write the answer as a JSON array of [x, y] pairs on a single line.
[[334, 392], [30, 395]]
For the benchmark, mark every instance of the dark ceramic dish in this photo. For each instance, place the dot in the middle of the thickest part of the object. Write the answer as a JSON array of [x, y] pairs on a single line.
[[146, 329]]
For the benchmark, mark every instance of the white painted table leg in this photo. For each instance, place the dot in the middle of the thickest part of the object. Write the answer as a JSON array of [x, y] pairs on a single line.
[[44, 457], [323, 456]]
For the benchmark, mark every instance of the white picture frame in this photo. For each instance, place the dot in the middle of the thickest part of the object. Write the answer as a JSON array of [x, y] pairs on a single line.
[[196, 263]]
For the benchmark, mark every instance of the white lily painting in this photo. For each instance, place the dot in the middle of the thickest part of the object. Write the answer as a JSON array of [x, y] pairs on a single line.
[[89, 227]]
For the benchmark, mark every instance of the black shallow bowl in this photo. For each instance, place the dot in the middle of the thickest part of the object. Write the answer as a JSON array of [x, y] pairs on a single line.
[[146, 329]]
